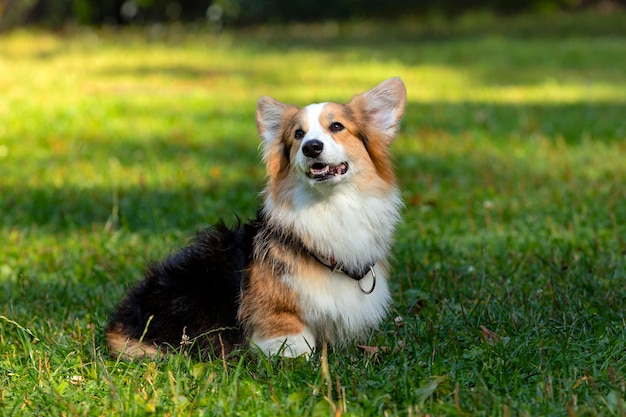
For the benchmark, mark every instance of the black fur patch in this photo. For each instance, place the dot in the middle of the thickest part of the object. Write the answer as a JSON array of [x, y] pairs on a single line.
[[195, 292]]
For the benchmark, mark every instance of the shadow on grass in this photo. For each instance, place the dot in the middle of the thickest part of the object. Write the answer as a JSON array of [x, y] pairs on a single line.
[[186, 203], [574, 123], [205, 182], [133, 208]]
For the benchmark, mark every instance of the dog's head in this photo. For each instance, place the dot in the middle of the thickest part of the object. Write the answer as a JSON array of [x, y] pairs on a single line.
[[323, 145]]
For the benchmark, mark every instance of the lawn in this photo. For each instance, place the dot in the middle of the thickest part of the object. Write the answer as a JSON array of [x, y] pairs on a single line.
[[509, 267]]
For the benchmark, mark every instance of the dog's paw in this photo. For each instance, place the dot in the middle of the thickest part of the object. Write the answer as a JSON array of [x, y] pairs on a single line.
[[290, 346]]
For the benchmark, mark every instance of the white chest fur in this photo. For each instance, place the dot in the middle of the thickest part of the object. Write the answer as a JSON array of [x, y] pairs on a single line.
[[336, 307], [354, 228]]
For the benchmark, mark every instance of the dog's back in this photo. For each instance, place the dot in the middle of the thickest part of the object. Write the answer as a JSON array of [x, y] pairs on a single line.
[[189, 300]]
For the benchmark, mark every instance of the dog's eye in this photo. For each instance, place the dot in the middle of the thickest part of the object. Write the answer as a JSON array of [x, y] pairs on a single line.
[[336, 127], [298, 134]]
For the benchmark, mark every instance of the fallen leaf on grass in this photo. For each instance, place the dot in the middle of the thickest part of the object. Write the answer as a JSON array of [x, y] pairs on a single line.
[[490, 337], [372, 350], [418, 306]]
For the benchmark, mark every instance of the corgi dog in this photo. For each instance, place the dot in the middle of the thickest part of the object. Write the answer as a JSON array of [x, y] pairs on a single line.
[[311, 268]]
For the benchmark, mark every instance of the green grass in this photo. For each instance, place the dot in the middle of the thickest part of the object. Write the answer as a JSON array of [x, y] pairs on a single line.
[[510, 265]]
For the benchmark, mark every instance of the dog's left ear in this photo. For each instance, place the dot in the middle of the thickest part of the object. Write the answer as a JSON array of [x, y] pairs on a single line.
[[384, 106]]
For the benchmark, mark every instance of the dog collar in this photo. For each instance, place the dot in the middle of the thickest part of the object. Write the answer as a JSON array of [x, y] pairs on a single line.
[[332, 264], [290, 240]]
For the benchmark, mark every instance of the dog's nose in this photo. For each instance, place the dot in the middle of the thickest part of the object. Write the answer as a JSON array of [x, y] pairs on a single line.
[[312, 148]]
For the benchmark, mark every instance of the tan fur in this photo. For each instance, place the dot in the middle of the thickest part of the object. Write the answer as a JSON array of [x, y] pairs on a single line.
[[122, 347], [363, 145], [268, 305], [376, 146]]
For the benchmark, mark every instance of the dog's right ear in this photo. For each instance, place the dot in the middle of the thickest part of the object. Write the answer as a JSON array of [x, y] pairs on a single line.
[[270, 115]]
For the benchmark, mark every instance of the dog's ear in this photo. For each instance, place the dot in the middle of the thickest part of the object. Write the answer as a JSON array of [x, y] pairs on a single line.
[[270, 115], [384, 106]]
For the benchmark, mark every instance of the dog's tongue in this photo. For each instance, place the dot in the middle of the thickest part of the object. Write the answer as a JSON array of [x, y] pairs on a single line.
[[340, 169], [319, 171]]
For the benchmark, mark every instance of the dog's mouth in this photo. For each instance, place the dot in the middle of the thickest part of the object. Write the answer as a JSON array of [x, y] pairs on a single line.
[[322, 172]]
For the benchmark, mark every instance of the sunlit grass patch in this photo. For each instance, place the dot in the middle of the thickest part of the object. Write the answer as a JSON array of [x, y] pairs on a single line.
[[510, 268]]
